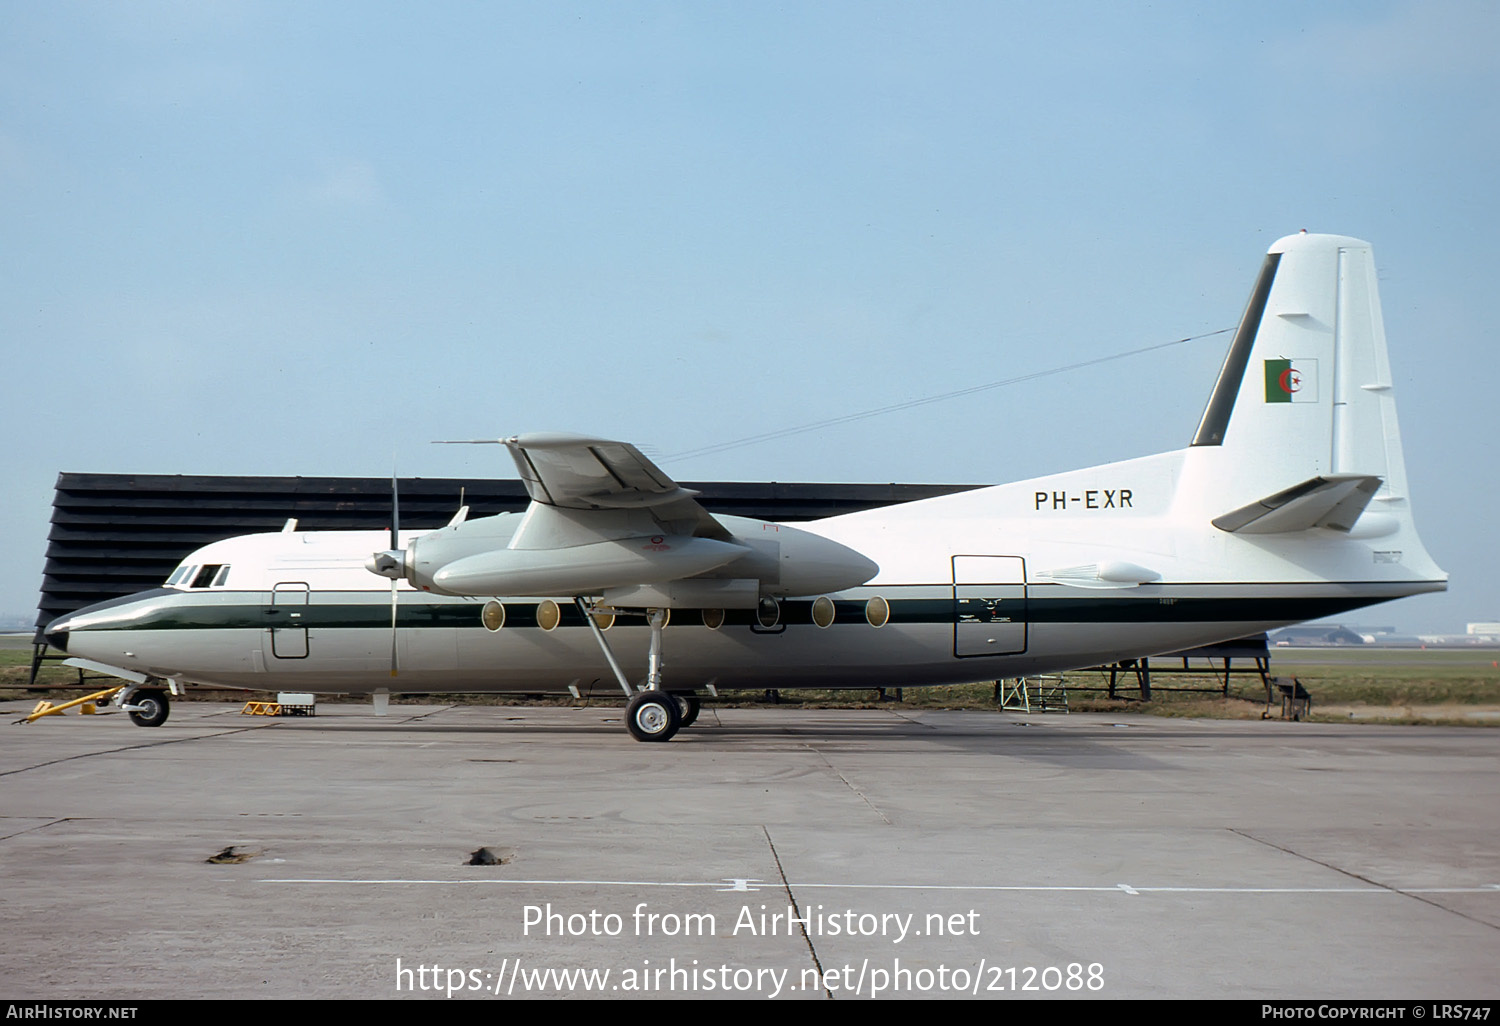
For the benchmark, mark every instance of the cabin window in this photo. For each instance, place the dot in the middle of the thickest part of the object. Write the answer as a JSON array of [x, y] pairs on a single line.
[[221, 576], [768, 612], [548, 615], [179, 574], [492, 615], [205, 576]]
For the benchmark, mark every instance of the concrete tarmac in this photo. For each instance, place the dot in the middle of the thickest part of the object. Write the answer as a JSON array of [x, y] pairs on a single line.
[[765, 852]]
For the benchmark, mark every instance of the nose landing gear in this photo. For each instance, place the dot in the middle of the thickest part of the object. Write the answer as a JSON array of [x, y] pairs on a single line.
[[147, 708]]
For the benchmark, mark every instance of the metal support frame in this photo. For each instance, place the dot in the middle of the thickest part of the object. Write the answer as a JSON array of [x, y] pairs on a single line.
[[609, 655], [1140, 669], [38, 653], [1013, 694]]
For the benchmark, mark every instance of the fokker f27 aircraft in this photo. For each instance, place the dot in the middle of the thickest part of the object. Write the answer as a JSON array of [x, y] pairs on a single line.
[[1291, 503]]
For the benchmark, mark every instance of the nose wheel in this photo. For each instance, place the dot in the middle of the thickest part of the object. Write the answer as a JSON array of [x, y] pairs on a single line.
[[148, 708]]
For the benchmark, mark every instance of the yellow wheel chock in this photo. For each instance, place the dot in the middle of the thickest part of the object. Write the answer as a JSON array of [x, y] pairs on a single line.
[[46, 708], [280, 708]]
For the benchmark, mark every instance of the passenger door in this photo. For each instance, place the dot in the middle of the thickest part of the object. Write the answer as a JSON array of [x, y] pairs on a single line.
[[286, 622]]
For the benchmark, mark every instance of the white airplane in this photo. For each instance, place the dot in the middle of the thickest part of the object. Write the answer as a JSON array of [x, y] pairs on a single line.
[[1290, 504]]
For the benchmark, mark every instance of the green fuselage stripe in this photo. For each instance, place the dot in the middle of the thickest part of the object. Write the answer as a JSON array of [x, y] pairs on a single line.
[[521, 615]]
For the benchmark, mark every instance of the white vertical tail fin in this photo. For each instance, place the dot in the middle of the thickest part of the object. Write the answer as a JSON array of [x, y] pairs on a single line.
[[1300, 433], [1305, 391]]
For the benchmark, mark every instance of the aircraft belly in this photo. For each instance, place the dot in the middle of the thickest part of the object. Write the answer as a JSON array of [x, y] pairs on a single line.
[[215, 652], [906, 655], [533, 661], [1058, 647], [694, 656]]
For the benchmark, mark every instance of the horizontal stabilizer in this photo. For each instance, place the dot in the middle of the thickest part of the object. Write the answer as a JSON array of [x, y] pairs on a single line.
[[1334, 501]]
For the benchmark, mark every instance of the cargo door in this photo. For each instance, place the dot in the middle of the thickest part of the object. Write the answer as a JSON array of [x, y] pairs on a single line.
[[989, 605]]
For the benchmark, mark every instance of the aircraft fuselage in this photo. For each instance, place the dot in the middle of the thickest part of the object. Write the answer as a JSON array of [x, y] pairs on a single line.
[[981, 585]]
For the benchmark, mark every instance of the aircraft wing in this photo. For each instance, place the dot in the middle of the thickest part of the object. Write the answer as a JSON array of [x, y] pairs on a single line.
[[577, 472]]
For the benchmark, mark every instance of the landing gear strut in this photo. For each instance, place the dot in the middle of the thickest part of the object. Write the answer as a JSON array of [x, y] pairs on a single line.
[[652, 714]]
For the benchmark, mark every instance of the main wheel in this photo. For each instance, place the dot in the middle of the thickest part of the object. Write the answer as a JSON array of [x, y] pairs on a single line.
[[652, 716], [689, 706], [153, 708]]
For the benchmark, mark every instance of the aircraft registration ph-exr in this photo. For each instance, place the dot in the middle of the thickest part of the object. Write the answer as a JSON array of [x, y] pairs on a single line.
[[1290, 503]]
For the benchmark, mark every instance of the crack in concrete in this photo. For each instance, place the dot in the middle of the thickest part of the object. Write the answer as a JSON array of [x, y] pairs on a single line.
[[1363, 879], [41, 826], [132, 748], [862, 796], [786, 885]]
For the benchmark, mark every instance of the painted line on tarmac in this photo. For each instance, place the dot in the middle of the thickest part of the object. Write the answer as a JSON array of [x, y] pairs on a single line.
[[753, 884]]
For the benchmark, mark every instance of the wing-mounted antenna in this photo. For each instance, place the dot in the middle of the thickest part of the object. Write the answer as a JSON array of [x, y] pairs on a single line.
[[463, 510]]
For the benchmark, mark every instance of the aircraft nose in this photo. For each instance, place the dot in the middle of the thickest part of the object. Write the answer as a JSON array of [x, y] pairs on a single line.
[[56, 633], [106, 616]]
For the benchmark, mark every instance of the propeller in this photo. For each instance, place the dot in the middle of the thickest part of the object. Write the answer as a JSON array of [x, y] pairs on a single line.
[[390, 564]]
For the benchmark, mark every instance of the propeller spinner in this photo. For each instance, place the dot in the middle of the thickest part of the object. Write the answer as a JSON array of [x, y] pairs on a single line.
[[391, 563]]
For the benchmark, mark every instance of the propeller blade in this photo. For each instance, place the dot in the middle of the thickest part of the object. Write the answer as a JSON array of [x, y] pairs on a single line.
[[394, 601], [395, 513], [395, 548]]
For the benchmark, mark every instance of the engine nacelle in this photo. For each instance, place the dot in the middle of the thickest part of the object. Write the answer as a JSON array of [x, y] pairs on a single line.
[[585, 569], [557, 553], [790, 561]]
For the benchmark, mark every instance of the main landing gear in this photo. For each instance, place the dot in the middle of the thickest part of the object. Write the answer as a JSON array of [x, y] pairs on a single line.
[[652, 714], [690, 706]]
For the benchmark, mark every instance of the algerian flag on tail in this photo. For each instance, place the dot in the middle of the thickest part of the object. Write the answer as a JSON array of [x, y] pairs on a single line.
[[1291, 381]]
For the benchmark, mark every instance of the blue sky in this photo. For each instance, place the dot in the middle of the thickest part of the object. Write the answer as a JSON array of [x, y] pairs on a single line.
[[286, 238]]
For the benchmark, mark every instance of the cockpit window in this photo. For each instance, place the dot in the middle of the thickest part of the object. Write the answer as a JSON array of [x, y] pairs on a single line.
[[179, 574], [221, 576], [206, 575]]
